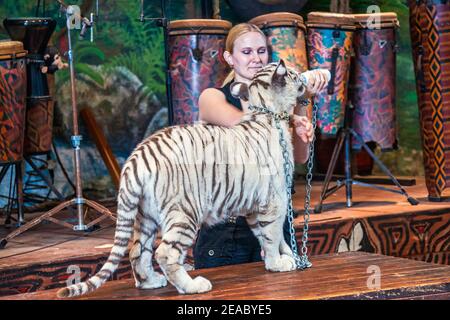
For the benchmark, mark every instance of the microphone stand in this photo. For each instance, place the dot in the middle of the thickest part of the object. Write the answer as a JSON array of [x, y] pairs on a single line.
[[79, 201]]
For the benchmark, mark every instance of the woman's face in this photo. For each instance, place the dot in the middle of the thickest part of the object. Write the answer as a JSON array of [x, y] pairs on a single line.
[[249, 55]]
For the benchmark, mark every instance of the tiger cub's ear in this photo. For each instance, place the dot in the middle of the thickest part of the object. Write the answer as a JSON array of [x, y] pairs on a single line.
[[278, 77], [239, 90]]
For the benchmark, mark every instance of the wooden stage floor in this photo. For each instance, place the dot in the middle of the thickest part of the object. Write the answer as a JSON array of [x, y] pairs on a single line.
[[337, 276], [379, 222]]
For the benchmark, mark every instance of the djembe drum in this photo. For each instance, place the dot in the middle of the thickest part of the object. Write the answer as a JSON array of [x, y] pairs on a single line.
[[286, 39], [372, 81], [35, 34], [330, 46], [196, 62], [429, 21], [330, 37], [13, 86]]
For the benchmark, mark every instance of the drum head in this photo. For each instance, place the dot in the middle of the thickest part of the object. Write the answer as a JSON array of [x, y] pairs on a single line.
[[331, 20], [33, 32], [199, 26], [386, 20], [11, 49], [278, 19]]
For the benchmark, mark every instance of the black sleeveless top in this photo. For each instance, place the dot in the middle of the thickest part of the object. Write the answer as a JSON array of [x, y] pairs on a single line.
[[230, 99]]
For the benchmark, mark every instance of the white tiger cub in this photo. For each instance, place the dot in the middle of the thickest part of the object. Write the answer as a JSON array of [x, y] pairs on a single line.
[[183, 176]]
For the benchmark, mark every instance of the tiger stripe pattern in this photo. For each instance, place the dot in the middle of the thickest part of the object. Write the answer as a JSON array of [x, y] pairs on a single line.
[[184, 176]]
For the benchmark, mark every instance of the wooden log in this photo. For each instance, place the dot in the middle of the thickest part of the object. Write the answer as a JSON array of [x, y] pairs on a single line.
[[102, 144]]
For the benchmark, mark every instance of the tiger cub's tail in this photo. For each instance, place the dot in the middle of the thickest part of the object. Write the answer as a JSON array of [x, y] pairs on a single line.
[[127, 206]]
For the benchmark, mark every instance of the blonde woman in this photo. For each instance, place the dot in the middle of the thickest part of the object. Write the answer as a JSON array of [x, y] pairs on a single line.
[[245, 52]]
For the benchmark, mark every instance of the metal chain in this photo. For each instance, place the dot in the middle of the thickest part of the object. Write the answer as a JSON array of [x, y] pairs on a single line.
[[304, 259], [276, 115], [288, 173], [301, 262]]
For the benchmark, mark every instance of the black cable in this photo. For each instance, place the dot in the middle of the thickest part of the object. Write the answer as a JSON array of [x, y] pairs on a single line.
[[11, 190], [61, 165], [10, 201], [37, 8], [169, 15]]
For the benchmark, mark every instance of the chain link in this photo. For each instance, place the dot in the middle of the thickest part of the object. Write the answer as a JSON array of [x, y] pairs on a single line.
[[277, 116], [305, 262], [301, 262]]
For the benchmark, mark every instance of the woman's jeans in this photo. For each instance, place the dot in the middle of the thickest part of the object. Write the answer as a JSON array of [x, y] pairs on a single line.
[[230, 242]]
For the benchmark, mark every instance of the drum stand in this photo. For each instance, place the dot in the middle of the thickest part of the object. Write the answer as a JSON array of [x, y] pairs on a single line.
[[48, 182], [344, 138], [79, 201], [19, 193]]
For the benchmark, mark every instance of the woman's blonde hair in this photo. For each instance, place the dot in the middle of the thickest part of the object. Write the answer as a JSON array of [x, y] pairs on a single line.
[[234, 33]]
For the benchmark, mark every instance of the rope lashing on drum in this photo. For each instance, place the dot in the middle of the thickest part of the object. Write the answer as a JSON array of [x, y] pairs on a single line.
[[303, 261]]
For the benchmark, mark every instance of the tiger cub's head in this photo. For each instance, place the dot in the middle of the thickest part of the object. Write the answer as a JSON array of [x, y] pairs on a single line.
[[275, 87]]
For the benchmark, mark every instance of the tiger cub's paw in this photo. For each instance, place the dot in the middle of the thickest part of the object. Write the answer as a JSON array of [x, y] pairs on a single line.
[[198, 285], [157, 280], [283, 264]]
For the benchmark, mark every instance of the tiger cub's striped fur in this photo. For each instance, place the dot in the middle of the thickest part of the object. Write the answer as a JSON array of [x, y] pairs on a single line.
[[183, 176]]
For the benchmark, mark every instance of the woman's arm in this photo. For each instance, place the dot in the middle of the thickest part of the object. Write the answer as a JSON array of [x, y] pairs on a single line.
[[317, 81], [214, 108], [304, 130]]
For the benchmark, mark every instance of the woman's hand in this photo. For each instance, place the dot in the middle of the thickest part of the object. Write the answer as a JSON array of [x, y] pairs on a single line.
[[317, 80], [303, 128]]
